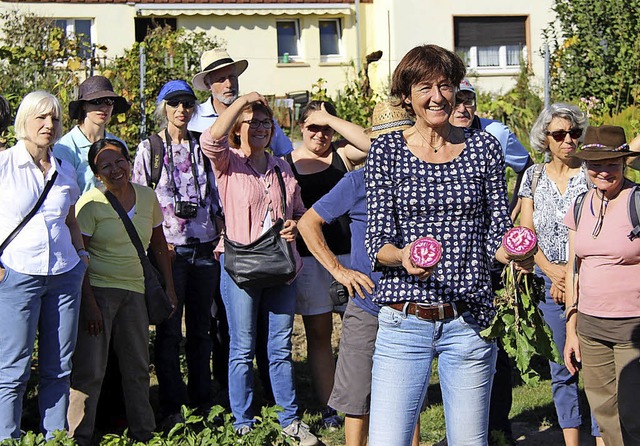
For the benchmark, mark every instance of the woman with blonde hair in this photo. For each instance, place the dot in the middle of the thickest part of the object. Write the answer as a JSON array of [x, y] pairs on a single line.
[[41, 268]]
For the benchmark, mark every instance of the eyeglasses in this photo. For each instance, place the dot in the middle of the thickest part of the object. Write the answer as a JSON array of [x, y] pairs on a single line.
[[467, 102], [560, 135], [255, 123], [186, 103], [101, 101]]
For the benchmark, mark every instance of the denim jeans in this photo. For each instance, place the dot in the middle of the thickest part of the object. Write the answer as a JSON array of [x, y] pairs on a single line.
[[405, 349], [564, 385], [196, 274], [50, 306], [276, 305]]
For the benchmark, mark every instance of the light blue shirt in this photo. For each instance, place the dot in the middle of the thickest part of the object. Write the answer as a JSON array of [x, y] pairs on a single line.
[[73, 147], [205, 116], [515, 155]]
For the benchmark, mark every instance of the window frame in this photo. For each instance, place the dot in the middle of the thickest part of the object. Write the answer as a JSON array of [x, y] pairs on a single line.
[[470, 54], [292, 57], [70, 31], [332, 57]]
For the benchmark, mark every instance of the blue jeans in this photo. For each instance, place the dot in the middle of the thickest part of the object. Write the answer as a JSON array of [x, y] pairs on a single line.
[[276, 306], [564, 385], [49, 305], [196, 274], [405, 349]]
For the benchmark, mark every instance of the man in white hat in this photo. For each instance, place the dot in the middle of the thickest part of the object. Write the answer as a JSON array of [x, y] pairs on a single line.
[[219, 74]]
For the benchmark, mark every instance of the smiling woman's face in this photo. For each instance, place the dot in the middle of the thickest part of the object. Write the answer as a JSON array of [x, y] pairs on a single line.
[[607, 175], [255, 139], [432, 101], [112, 167]]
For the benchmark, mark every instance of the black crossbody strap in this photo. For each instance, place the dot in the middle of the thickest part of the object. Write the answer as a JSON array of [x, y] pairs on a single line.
[[283, 190], [128, 224], [29, 216]]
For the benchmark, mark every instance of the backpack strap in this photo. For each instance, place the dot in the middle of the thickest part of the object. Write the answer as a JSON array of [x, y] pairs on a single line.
[[537, 171], [634, 213], [577, 213], [577, 208], [156, 162]]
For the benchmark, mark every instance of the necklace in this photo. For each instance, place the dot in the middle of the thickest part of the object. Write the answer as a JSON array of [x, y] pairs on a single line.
[[435, 148]]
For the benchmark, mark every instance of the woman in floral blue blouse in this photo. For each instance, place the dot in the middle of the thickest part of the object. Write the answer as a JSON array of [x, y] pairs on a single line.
[[448, 183], [186, 192]]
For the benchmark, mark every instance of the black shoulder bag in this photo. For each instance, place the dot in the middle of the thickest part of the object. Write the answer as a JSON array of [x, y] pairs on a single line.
[[32, 212], [267, 261], [159, 307]]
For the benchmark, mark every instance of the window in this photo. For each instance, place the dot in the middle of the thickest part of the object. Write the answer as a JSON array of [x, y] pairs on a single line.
[[144, 25], [81, 30], [491, 43], [288, 38], [330, 39]]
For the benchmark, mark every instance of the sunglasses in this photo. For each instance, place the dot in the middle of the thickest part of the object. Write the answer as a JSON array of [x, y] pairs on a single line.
[[560, 135], [467, 102], [319, 128], [186, 103], [102, 101], [255, 123]]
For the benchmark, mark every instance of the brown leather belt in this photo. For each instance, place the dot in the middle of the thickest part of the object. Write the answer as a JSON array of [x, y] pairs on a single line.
[[431, 312]]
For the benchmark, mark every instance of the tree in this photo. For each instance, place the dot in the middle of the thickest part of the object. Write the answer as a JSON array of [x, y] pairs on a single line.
[[36, 55], [596, 51], [169, 55]]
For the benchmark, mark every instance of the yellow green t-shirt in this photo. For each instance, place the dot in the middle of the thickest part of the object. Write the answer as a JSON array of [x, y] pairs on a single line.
[[114, 260]]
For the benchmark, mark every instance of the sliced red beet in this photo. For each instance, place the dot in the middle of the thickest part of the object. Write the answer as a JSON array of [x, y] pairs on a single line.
[[520, 242], [426, 252]]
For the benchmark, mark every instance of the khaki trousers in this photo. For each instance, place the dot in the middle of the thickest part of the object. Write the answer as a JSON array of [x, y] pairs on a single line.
[[125, 319], [611, 374]]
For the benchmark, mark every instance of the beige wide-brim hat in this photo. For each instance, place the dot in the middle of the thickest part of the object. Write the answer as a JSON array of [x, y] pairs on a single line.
[[213, 60], [387, 118]]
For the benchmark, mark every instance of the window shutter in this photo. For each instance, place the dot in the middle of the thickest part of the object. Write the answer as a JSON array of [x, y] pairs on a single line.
[[489, 31]]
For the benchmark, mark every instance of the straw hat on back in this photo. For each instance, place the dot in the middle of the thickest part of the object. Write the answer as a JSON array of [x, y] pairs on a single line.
[[387, 118]]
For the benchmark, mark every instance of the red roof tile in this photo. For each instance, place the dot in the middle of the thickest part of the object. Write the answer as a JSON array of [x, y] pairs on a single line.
[[190, 1]]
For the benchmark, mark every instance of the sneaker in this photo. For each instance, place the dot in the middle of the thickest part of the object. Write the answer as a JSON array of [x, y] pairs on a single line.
[[331, 419], [243, 430], [300, 432]]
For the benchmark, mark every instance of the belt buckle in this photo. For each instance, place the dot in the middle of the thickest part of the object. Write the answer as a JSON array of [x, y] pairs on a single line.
[[426, 307]]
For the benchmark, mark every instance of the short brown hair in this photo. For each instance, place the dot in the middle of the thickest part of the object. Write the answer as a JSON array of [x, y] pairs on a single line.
[[234, 139], [314, 106], [423, 63]]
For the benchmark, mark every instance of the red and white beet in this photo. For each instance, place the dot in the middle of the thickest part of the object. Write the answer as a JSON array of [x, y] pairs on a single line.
[[520, 242], [425, 252]]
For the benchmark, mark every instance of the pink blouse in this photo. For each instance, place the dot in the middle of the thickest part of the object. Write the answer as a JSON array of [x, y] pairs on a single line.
[[610, 263], [246, 196]]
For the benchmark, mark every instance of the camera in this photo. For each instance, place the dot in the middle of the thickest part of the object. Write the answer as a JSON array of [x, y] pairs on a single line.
[[338, 293], [186, 209]]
